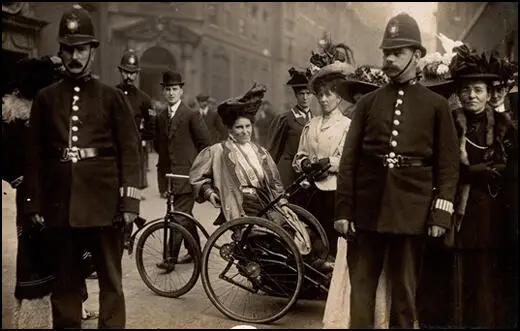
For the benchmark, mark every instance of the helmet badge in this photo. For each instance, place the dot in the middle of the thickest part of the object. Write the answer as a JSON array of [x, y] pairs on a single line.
[[131, 60], [393, 30], [72, 24]]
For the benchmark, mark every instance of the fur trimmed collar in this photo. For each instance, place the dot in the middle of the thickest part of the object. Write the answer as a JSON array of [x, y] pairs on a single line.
[[497, 125], [15, 108]]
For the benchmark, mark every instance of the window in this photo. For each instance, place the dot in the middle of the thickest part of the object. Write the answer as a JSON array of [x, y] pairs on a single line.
[[228, 17], [205, 70], [242, 26], [212, 14], [254, 11], [241, 75], [220, 79], [266, 16]]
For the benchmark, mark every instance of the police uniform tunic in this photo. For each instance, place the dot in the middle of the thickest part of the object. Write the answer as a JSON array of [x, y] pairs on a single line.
[[141, 108], [82, 160], [401, 144]]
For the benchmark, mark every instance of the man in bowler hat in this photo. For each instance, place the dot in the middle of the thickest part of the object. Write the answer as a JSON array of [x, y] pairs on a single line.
[[396, 180], [179, 136], [81, 175]]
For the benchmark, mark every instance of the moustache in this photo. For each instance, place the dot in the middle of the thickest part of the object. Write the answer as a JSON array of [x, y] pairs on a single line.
[[389, 68], [75, 65]]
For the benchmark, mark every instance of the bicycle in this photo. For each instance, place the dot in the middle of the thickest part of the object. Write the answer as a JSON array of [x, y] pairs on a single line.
[[164, 263]]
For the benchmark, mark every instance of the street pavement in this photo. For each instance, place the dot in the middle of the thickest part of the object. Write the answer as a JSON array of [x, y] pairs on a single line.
[[145, 309]]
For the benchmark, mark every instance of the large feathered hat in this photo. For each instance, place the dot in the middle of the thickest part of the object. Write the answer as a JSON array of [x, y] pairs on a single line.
[[333, 62], [330, 53], [336, 70], [503, 68], [36, 73], [364, 80], [469, 64], [244, 106]]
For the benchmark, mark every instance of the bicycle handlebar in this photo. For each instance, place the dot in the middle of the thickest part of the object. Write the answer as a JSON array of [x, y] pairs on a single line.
[[177, 176]]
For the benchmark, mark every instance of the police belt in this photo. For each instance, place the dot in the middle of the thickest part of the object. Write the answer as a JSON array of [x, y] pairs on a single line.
[[402, 161], [70, 154]]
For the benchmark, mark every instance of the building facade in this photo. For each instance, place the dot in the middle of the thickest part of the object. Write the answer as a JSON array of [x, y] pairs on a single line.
[[219, 47], [491, 26]]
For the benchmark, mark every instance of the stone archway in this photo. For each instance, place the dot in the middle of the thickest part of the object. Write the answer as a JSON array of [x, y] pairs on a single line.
[[154, 62]]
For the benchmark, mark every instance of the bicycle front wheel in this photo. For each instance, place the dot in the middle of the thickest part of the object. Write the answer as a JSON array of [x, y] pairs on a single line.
[[158, 268]]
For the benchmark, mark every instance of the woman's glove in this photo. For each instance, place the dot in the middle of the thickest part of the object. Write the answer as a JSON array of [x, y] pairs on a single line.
[[306, 166]]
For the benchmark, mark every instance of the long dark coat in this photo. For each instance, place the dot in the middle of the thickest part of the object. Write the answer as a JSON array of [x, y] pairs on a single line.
[[398, 200], [178, 141], [486, 239], [284, 136], [141, 106], [91, 192]]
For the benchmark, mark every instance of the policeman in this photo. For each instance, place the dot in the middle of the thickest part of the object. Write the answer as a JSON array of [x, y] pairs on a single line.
[[82, 174], [401, 144], [142, 110]]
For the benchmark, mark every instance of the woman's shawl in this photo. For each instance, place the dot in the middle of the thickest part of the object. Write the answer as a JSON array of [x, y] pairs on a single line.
[[222, 167]]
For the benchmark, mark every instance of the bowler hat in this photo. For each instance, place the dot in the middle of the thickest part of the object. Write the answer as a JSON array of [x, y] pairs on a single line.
[[130, 62], [402, 31], [76, 28], [170, 78]]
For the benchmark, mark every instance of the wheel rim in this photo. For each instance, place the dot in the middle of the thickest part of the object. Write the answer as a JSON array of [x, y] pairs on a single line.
[[149, 253], [278, 278]]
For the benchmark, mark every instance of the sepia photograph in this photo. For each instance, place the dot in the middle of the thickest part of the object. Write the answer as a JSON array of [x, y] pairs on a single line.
[[259, 165]]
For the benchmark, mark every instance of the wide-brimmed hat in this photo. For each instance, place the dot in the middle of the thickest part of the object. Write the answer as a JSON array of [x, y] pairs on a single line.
[[402, 31], [243, 106], [36, 73], [468, 64], [336, 70], [76, 28], [364, 80], [171, 78], [130, 62]]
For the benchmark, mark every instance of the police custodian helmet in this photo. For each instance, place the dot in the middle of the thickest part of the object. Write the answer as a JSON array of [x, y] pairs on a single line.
[[402, 31], [129, 62], [76, 28]]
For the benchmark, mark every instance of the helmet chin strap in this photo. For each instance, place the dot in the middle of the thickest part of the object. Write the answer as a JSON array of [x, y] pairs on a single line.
[[404, 69], [83, 72]]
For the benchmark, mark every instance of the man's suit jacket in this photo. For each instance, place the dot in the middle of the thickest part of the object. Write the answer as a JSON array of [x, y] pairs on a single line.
[[178, 141]]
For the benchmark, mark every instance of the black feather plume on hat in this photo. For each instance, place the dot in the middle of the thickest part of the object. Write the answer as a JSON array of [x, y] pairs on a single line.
[[244, 106], [468, 63]]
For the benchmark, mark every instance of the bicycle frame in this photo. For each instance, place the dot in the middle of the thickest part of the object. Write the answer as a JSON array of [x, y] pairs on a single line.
[[169, 217]]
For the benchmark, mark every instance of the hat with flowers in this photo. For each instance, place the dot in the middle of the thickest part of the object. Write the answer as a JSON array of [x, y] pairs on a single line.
[[434, 68], [365, 79]]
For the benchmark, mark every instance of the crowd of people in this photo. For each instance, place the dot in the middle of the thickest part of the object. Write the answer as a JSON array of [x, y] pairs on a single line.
[[417, 196]]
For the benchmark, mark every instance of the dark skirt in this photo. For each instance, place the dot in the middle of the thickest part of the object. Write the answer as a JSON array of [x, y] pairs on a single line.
[[34, 268], [34, 262]]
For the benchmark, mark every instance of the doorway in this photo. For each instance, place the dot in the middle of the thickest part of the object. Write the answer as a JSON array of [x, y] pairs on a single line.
[[154, 62]]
